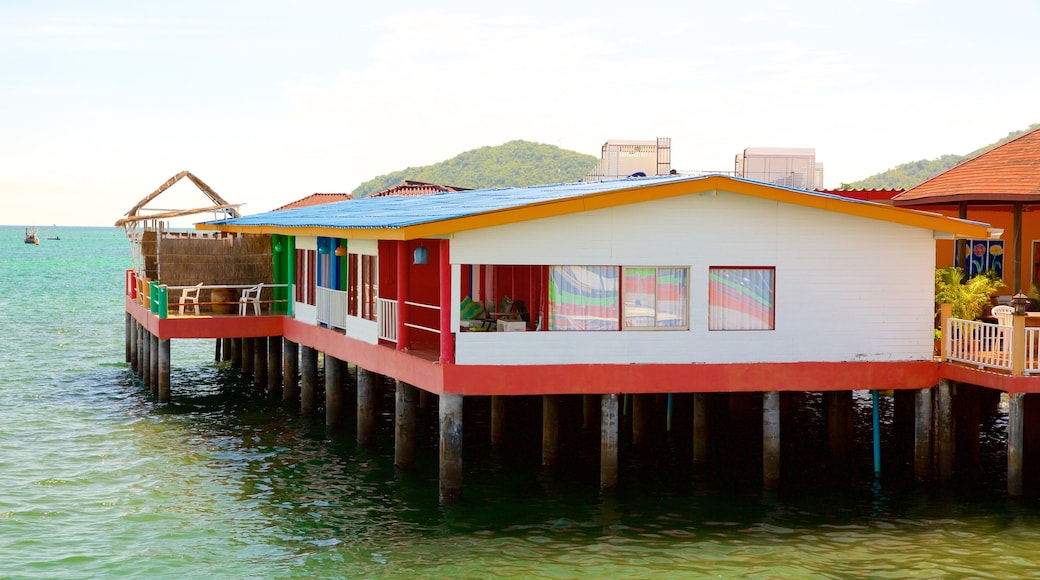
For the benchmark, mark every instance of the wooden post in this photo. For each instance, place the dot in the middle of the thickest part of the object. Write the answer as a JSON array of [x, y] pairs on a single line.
[[274, 367], [260, 360], [248, 358], [550, 430], [225, 349], [366, 406], [640, 410], [146, 356], [406, 398], [498, 419], [127, 333], [164, 371], [1015, 438], [1018, 345], [700, 431], [290, 371], [945, 313], [135, 346], [308, 380], [944, 429], [589, 411], [153, 368], [608, 442], [450, 447], [333, 392], [236, 352], [839, 424], [771, 439], [923, 435]]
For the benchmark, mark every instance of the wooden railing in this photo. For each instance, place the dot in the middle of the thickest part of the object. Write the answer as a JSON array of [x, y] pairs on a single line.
[[987, 345]]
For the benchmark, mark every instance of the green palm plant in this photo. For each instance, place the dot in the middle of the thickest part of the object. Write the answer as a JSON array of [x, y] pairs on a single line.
[[968, 299]]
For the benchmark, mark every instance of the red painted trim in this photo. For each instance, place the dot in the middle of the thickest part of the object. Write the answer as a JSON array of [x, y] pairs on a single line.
[[205, 327], [993, 380]]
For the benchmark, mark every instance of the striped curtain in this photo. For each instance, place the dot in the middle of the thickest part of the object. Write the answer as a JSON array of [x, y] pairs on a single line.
[[655, 297], [740, 299], [583, 298]]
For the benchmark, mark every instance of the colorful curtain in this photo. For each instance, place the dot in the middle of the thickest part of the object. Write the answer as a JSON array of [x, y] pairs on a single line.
[[740, 299], [583, 298], [655, 297]]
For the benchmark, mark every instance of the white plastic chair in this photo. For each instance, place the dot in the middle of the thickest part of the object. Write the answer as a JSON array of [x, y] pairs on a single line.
[[190, 296], [1005, 315], [250, 296]]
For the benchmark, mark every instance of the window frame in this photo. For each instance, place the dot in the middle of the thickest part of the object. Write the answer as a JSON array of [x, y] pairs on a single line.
[[684, 300], [713, 294]]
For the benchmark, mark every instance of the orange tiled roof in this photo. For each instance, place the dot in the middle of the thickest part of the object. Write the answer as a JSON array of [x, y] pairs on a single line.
[[415, 188], [316, 199], [1006, 173]]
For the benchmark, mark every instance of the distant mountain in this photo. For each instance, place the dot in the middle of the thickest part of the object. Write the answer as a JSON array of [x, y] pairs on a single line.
[[913, 173], [512, 164]]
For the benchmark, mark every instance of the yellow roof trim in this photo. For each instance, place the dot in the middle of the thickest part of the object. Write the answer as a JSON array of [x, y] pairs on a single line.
[[635, 194]]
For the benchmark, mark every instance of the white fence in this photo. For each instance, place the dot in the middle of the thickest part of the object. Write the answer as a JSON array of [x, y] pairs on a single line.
[[987, 345]]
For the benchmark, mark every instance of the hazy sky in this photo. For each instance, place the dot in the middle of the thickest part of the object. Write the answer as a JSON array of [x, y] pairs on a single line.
[[102, 101]]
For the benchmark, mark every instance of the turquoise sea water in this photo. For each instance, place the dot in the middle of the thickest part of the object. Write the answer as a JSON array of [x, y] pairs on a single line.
[[97, 480]]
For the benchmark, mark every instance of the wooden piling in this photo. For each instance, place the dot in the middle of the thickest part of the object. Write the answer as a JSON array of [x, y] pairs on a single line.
[[274, 367], [450, 473], [225, 349], [260, 361], [405, 406], [153, 366], [128, 322], [839, 424], [290, 372], [608, 443], [236, 352], [248, 358], [771, 439], [640, 417], [366, 406], [550, 430], [701, 402], [308, 380], [923, 435], [590, 411], [333, 392], [498, 419], [944, 430], [1015, 439], [164, 371], [134, 346]]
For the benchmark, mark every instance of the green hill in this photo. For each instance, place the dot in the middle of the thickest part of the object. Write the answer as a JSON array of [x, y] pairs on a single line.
[[910, 174], [512, 164]]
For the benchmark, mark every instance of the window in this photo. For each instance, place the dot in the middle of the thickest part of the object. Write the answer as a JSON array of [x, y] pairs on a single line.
[[655, 298], [741, 298], [583, 298], [306, 267]]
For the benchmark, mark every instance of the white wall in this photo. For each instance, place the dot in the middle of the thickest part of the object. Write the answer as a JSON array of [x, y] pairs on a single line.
[[847, 288]]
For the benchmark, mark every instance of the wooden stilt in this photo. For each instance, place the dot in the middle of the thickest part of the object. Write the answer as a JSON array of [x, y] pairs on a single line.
[[290, 372], [164, 371], [498, 419], [333, 392], [450, 447], [1015, 439], [701, 401], [236, 352], [640, 411], [839, 425], [771, 439], [923, 435], [590, 411], [153, 367], [248, 358], [366, 406], [146, 357], [260, 361], [128, 323], [406, 400], [608, 446], [308, 380], [550, 430], [135, 346], [225, 349], [216, 350], [944, 429], [274, 367]]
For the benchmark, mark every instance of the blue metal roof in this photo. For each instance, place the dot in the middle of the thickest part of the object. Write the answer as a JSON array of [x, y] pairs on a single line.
[[397, 212]]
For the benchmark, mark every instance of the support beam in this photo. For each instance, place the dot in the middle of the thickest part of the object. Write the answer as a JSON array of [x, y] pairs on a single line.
[[308, 380], [225, 349], [923, 435], [640, 417], [1015, 438], [274, 367], [290, 372], [406, 403], [498, 419], [260, 361], [771, 439], [367, 407], [450, 447], [608, 443], [128, 322], [164, 371], [248, 358], [839, 424], [146, 356], [550, 430], [590, 411], [236, 352], [334, 394], [135, 346], [153, 367]]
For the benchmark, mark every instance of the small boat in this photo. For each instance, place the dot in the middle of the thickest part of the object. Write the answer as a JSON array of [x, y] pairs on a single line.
[[31, 236], [53, 237]]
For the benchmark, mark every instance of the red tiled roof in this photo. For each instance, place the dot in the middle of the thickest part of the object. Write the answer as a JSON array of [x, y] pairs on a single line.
[[316, 199], [880, 195], [416, 188], [1006, 173]]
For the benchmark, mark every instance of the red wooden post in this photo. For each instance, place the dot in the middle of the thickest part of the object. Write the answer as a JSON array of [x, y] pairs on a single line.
[[402, 292], [447, 355]]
